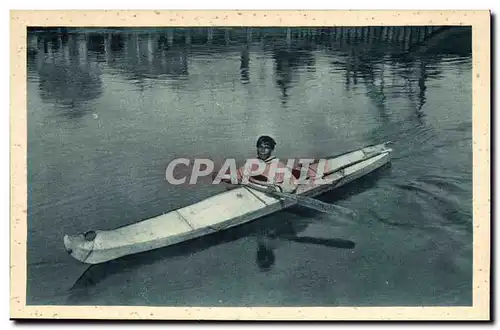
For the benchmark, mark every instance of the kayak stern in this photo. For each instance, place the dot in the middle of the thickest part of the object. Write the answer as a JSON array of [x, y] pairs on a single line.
[[80, 246]]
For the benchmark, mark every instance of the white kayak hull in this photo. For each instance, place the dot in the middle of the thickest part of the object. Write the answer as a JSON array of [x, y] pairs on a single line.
[[219, 212]]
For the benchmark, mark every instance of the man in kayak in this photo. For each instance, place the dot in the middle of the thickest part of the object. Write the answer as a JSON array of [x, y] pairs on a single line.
[[282, 180]]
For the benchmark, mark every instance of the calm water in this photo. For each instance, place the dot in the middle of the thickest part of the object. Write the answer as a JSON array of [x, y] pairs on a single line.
[[108, 110]]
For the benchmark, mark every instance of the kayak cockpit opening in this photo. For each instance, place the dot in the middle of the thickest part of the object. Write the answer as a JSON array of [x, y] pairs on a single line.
[[90, 235], [260, 178]]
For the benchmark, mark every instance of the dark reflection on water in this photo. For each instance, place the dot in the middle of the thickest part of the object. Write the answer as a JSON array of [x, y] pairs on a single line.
[[67, 70], [288, 63], [63, 77], [244, 67], [109, 108]]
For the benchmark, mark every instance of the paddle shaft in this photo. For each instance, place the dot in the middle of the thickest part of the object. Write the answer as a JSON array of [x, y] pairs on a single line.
[[305, 201]]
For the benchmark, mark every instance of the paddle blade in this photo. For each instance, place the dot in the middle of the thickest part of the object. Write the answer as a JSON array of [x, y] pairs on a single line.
[[325, 207]]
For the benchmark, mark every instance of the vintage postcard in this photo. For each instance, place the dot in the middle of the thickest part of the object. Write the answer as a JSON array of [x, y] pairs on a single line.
[[250, 165]]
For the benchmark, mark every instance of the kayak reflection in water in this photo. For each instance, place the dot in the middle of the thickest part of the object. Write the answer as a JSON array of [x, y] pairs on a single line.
[[282, 226], [283, 179], [265, 257]]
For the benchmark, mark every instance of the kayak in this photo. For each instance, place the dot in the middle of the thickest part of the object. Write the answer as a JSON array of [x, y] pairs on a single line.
[[230, 208]]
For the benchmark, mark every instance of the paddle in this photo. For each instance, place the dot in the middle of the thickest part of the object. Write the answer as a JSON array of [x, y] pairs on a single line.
[[305, 201]]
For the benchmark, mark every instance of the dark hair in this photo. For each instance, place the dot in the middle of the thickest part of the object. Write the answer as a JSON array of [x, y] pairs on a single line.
[[266, 139]]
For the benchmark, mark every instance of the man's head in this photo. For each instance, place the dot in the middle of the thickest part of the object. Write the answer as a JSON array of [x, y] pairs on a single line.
[[265, 146]]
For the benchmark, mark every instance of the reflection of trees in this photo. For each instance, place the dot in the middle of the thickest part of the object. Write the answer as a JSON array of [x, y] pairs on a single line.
[[95, 44], [421, 85], [32, 54], [287, 63], [365, 65], [68, 75], [65, 75], [456, 40], [415, 74], [405, 71], [414, 59], [141, 56], [245, 65], [421, 60], [69, 85]]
